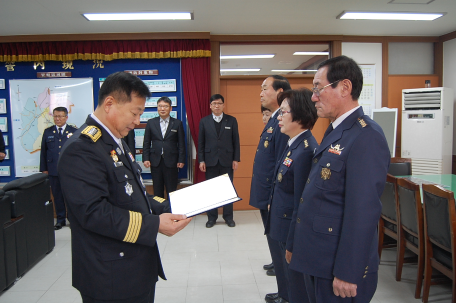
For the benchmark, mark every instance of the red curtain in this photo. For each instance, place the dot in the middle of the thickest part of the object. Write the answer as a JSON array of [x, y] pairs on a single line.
[[196, 80], [104, 50]]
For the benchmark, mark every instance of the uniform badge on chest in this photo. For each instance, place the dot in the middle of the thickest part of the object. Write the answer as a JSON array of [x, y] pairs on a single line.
[[128, 188], [325, 173], [114, 156], [266, 144], [270, 130], [336, 149], [279, 177]]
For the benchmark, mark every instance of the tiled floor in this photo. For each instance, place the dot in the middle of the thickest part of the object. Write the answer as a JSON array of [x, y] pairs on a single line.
[[216, 265]]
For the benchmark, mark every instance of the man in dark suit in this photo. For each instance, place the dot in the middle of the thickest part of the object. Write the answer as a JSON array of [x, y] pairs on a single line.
[[164, 148], [54, 138], [219, 151], [335, 243], [130, 140], [270, 148], [114, 222]]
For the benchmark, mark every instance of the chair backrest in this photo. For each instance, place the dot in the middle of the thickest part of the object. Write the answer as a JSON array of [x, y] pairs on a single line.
[[410, 209], [400, 166], [388, 198], [439, 215]]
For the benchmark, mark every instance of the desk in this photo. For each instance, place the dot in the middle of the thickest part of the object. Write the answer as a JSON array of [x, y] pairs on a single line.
[[448, 182]]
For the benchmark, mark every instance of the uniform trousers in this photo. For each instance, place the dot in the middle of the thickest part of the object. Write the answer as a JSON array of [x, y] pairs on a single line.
[[276, 256], [295, 281], [144, 298], [162, 177], [59, 203], [320, 290], [212, 172]]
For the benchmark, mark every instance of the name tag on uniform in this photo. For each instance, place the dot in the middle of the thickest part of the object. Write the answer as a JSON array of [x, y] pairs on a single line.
[[227, 127], [118, 164], [50, 137], [174, 130]]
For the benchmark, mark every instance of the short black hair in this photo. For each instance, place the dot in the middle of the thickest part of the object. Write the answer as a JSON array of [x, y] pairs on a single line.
[[264, 108], [165, 99], [121, 85], [302, 109], [60, 109], [280, 82], [343, 67], [216, 97]]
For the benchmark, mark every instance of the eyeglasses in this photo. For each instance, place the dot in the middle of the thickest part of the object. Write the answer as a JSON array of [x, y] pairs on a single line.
[[217, 104], [317, 90], [59, 117], [163, 106], [283, 112]]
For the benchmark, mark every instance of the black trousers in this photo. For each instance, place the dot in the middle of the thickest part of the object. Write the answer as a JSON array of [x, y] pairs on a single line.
[[212, 172], [59, 203], [144, 298], [162, 177], [276, 255]]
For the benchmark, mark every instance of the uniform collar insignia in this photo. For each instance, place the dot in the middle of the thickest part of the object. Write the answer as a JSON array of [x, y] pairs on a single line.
[[362, 122]]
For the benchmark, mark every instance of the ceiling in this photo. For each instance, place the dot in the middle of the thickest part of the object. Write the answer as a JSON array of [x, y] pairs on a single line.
[[238, 17], [38, 17]]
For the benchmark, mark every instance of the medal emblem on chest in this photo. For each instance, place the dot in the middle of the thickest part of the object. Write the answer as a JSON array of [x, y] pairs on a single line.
[[114, 156], [270, 130], [128, 188], [279, 177], [266, 144], [336, 149], [325, 173]]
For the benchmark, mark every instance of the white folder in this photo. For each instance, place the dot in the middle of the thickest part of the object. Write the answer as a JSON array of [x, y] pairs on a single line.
[[201, 197]]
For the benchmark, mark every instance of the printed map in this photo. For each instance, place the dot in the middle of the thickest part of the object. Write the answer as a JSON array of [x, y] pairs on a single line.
[[32, 103]]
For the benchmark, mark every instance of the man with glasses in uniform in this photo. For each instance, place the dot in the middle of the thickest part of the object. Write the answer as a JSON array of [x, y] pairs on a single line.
[[53, 139], [335, 241]]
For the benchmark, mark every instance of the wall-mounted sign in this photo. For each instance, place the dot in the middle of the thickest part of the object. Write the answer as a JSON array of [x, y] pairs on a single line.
[[152, 102], [168, 85], [54, 75], [150, 72]]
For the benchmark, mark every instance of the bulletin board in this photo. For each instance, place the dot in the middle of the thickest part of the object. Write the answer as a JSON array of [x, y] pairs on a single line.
[[169, 70]]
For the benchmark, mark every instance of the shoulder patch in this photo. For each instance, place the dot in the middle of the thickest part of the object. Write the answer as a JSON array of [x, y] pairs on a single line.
[[159, 200], [93, 132], [362, 122]]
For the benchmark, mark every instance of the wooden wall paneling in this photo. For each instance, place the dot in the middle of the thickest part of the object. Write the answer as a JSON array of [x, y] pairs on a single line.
[[215, 67], [438, 62], [396, 83], [385, 73], [242, 186], [336, 48]]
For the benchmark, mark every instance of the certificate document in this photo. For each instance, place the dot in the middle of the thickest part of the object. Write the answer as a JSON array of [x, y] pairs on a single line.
[[201, 197]]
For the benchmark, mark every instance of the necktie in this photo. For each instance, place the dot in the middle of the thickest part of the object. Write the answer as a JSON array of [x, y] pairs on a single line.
[[163, 126], [60, 131], [328, 130]]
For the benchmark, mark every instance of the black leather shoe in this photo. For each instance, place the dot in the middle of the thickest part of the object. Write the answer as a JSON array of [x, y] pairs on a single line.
[[230, 223], [271, 272], [268, 266], [271, 297], [58, 226], [210, 224]]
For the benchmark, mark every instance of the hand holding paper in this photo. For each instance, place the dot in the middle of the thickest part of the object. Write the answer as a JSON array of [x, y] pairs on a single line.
[[171, 224]]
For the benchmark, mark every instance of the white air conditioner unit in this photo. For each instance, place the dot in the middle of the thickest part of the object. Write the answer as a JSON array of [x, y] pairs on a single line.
[[427, 129]]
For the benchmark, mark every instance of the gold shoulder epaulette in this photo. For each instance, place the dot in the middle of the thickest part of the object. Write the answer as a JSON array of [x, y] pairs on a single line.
[[362, 122], [92, 132], [159, 200], [134, 226]]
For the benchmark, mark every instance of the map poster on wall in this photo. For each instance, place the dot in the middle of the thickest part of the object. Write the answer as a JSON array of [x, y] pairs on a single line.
[[152, 102], [367, 97], [32, 103]]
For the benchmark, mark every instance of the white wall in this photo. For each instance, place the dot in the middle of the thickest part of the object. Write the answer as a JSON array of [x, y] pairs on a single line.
[[367, 53], [449, 75]]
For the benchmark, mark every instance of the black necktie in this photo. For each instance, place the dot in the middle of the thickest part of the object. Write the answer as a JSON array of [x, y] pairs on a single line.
[[328, 130], [60, 131]]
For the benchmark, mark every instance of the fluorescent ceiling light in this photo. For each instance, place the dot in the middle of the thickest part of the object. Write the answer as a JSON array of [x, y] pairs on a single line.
[[311, 54], [137, 16], [293, 70], [248, 57], [240, 70], [389, 16]]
